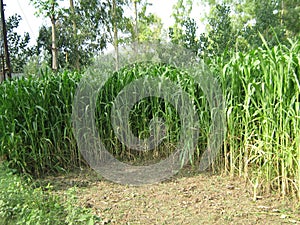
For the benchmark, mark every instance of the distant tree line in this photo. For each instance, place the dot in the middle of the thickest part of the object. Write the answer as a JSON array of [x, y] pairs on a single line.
[[87, 27]]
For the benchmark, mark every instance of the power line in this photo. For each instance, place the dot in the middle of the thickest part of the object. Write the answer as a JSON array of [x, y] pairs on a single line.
[[25, 17]]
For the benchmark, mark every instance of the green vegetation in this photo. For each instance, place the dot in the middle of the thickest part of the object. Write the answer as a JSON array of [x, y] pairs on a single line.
[[251, 47], [36, 131], [261, 90], [262, 100], [22, 203], [147, 109]]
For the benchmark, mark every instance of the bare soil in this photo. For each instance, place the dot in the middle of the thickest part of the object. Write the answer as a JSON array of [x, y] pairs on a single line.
[[188, 198]]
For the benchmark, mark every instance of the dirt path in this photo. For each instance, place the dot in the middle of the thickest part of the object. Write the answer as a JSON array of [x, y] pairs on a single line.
[[200, 199]]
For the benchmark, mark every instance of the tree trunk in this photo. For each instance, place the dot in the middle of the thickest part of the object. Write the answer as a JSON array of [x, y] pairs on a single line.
[[54, 47], [136, 32], [72, 9], [116, 41]]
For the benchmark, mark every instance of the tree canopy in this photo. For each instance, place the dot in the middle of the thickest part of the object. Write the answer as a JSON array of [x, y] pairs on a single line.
[[87, 28]]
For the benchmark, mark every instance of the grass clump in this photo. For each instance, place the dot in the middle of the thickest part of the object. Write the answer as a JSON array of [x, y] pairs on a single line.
[[148, 109], [262, 105], [21, 203], [35, 125]]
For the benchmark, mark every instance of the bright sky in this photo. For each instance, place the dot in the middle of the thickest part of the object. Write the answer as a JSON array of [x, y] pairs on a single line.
[[31, 23]]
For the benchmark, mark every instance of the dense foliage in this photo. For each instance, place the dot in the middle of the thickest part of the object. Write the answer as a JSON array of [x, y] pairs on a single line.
[[262, 100], [36, 133], [148, 109], [18, 45], [261, 89], [251, 47], [22, 203]]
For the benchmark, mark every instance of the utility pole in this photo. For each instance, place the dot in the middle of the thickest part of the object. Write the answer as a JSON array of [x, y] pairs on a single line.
[[6, 69]]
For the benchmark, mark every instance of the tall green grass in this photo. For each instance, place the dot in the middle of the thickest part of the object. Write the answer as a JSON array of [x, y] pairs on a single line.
[[261, 89], [35, 124], [262, 95], [146, 110]]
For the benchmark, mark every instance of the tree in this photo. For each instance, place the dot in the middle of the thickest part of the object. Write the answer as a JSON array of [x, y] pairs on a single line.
[[276, 20], [275, 14], [141, 26], [73, 19], [219, 37], [135, 34], [138, 27], [267, 22], [18, 45], [82, 33], [290, 14], [188, 35], [92, 17], [149, 25], [115, 28], [181, 13], [220, 33], [50, 9], [117, 22], [184, 30]]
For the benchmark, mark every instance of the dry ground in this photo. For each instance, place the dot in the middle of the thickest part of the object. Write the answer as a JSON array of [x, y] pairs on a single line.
[[185, 199]]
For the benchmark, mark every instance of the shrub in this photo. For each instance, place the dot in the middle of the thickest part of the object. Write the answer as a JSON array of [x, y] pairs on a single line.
[[21, 203]]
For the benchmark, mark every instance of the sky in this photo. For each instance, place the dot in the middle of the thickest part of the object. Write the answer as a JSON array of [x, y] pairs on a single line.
[[31, 23]]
